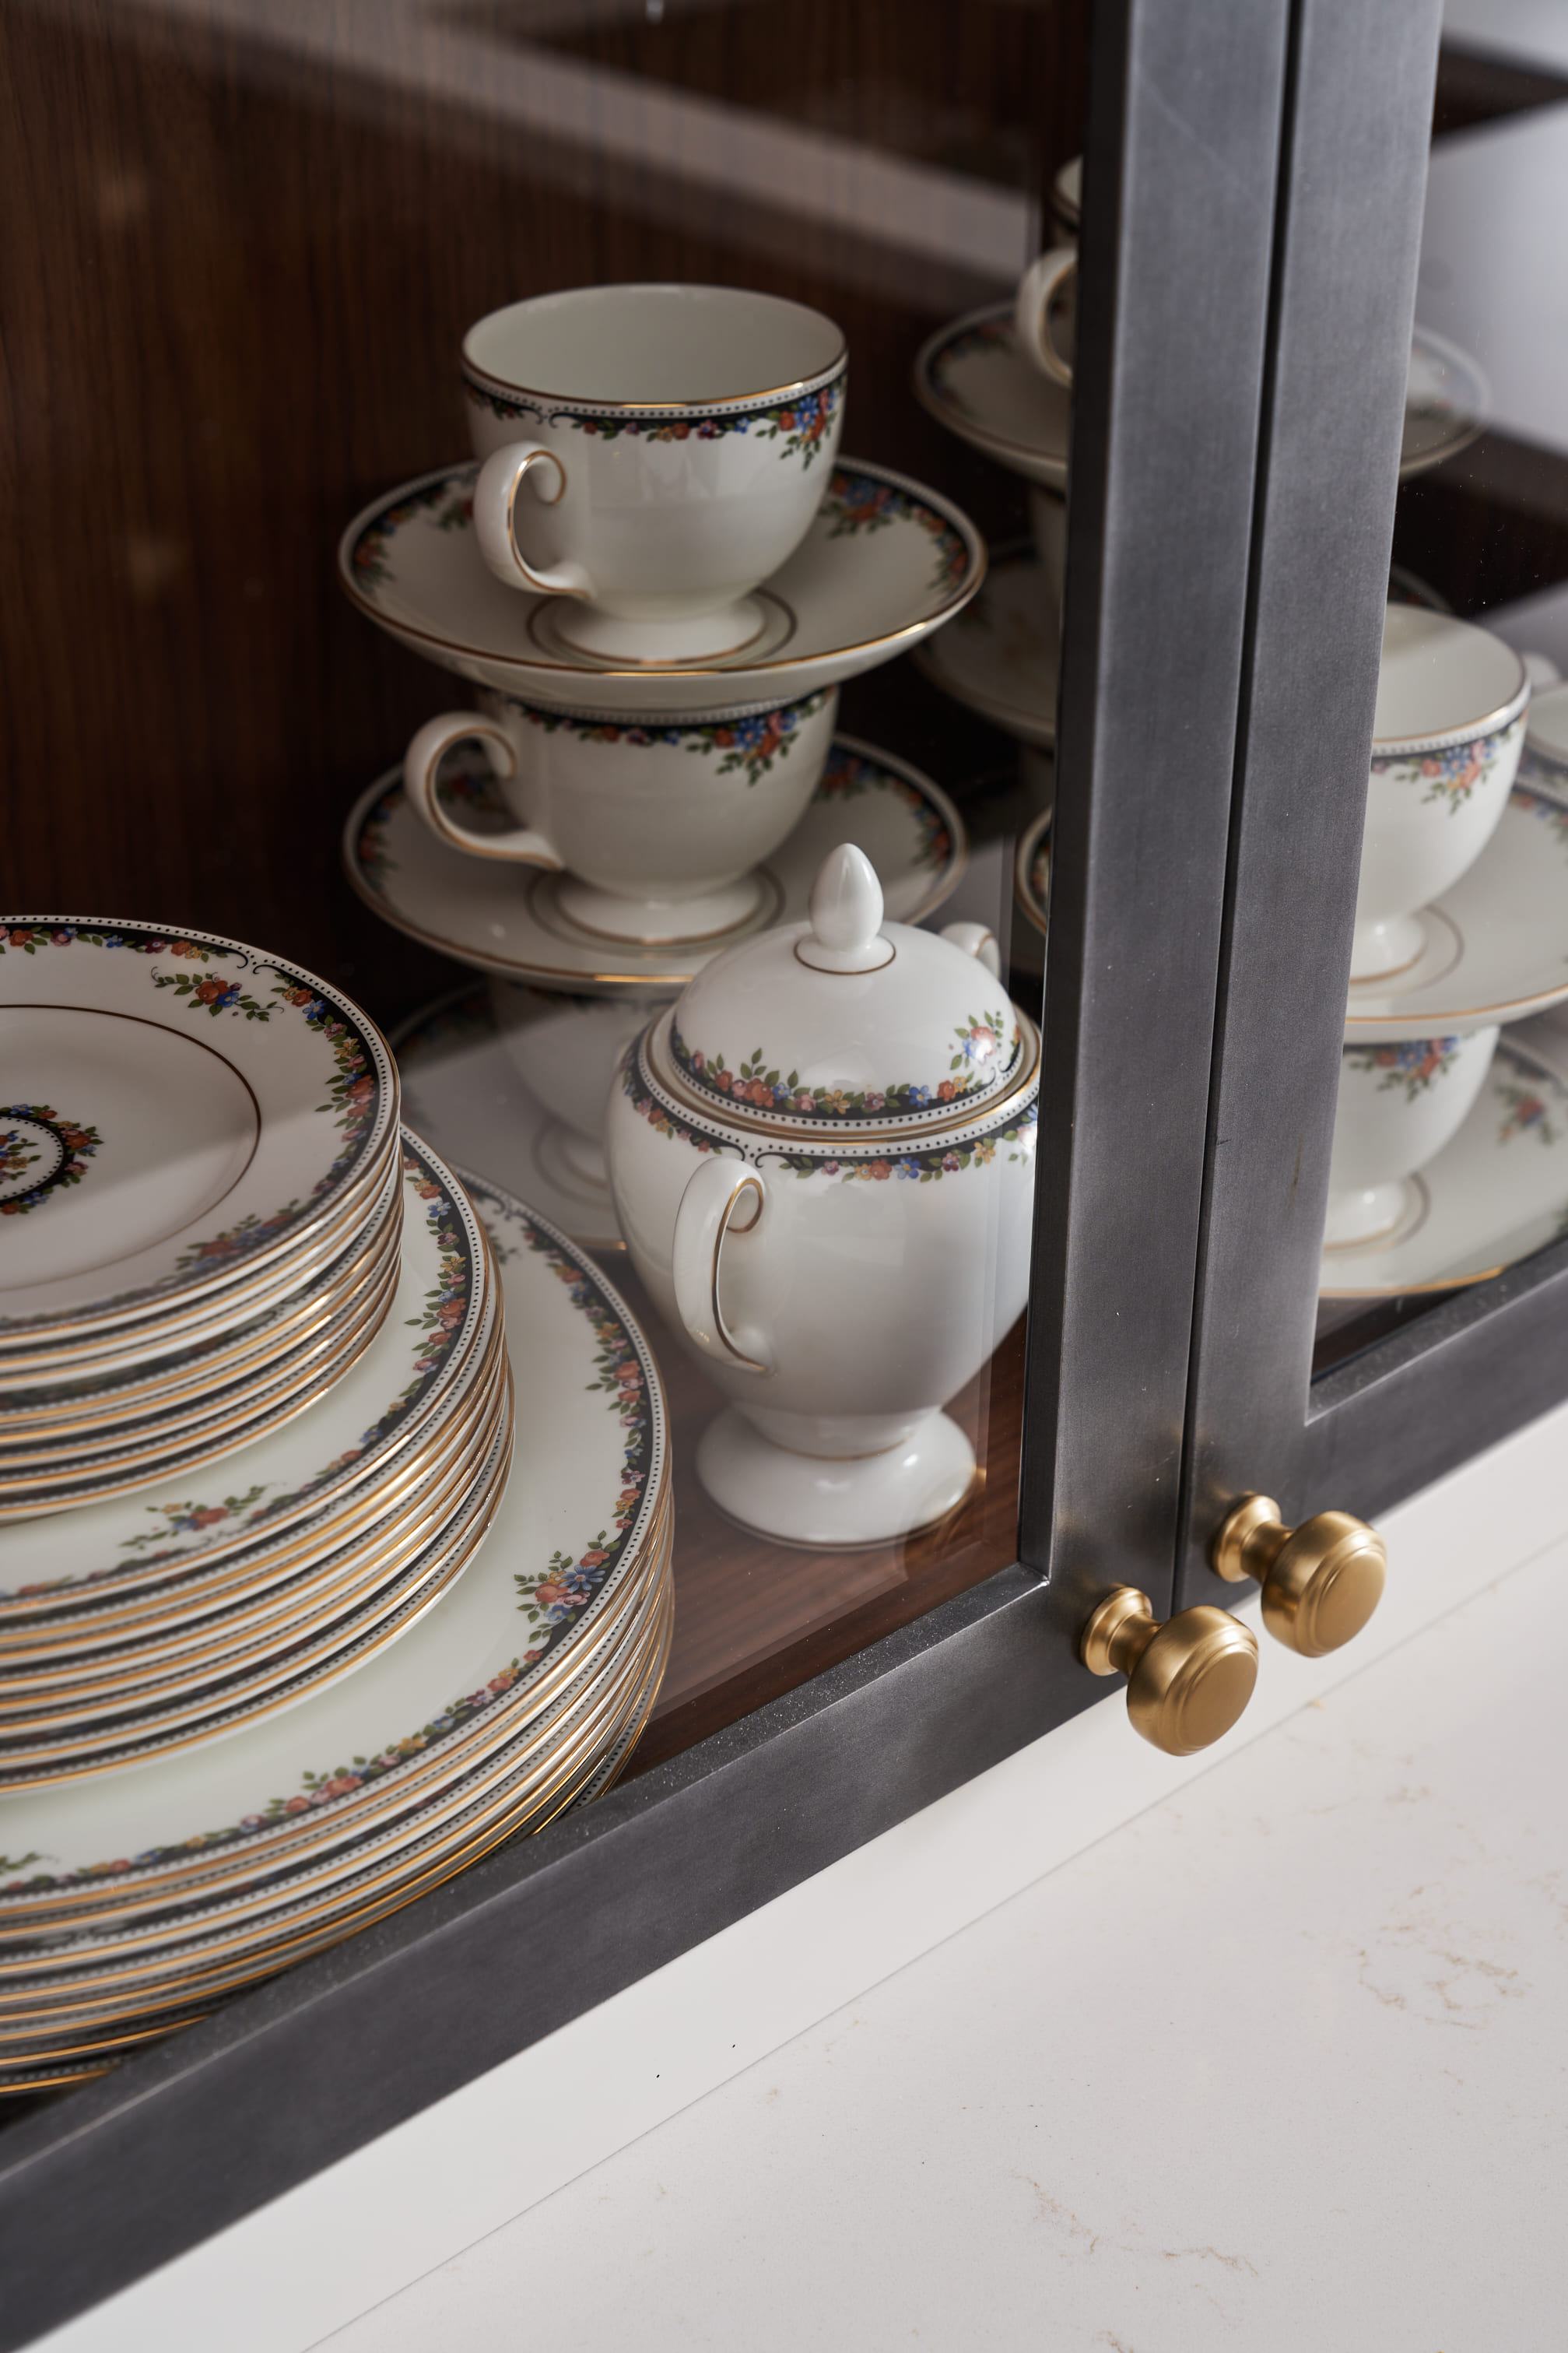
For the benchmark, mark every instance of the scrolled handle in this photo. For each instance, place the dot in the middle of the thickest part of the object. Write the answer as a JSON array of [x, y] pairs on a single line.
[[502, 477], [1032, 310], [523, 846], [978, 941], [713, 1194]]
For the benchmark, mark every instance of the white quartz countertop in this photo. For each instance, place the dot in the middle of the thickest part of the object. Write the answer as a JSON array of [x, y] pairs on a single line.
[[1278, 2064]]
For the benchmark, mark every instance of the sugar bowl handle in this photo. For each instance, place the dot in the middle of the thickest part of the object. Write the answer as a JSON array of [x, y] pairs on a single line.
[[718, 1197], [502, 477], [977, 941], [421, 762]]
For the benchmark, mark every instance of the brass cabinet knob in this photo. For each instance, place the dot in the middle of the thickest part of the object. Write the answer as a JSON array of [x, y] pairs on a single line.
[[1187, 1680], [1322, 1581]]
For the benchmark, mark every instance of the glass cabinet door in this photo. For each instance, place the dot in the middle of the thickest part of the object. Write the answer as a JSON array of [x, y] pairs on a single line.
[[1383, 1269]]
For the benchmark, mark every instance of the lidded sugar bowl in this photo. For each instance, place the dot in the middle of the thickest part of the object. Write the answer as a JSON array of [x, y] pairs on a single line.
[[823, 1161]]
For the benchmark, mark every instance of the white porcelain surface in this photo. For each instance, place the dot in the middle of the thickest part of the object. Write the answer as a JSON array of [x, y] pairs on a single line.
[[653, 450], [657, 824], [1545, 756], [476, 912], [1493, 948], [590, 1464], [840, 1273], [1496, 1193], [180, 1110], [884, 563], [843, 1024], [1000, 657], [1446, 738], [1044, 294], [1398, 1104], [466, 1062]]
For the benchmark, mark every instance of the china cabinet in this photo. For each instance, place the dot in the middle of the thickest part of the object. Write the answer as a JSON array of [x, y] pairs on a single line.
[[1111, 625]]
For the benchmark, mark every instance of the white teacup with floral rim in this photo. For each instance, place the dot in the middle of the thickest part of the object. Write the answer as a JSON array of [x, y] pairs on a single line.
[[1446, 738], [823, 1163], [656, 825], [675, 442], [1398, 1106]]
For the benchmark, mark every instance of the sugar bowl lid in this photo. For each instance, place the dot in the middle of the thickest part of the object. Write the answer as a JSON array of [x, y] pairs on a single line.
[[847, 1021]]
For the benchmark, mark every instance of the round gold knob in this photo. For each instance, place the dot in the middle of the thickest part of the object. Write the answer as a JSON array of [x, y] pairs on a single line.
[[1187, 1680], [1322, 1581]]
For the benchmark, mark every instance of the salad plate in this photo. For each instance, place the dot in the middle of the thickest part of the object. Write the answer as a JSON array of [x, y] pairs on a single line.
[[884, 563], [287, 1494], [183, 1110], [1498, 1191], [1001, 656], [507, 921], [1495, 947]]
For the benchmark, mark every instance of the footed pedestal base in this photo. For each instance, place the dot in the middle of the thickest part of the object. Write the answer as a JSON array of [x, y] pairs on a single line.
[[829, 1502]]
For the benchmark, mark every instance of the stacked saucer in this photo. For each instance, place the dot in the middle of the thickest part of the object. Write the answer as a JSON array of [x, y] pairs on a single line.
[[130, 1901], [657, 597], [198, 1180], [1000, 379]]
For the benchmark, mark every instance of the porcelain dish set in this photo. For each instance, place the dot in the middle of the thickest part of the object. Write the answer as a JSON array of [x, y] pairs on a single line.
[[652, 841], [296, 1613], [654, 573]]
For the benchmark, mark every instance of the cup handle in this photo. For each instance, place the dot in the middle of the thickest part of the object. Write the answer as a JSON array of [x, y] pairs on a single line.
[[421, 762], [713, 1194], [1032, 310], [975, 940], [502, 477]]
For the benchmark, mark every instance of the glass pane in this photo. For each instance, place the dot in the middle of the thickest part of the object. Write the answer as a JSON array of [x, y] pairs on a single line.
[[248, 239], [1451, 1148]]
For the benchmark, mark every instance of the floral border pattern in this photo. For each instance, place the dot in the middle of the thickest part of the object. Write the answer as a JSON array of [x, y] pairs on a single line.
[[1529, 1114], [353, 1094], [977, 1062], [847, 776], [857, 503], [750, 746], [553, 1601], [1015, 1129], [451, 505], [1414, 1066], [987, 338], [801, 424], [77, 1146], [1450, 775]]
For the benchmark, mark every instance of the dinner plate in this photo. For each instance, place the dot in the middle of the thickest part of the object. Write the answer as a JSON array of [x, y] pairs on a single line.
[[885, 563], [180, 1107], [428, 1349], [590, 1470], [506, 920]]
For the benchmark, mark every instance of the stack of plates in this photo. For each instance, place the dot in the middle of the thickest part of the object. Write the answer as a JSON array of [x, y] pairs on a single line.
[[200, 1206], [144, 1623], [129, 1900]]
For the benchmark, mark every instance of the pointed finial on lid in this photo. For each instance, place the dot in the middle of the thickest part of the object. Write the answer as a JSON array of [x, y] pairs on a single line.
[[845, 910]]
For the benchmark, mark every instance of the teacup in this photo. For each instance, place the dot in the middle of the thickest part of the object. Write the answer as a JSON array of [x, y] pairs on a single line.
[[656, 825], [1446, 738], [1398, 1106], [676, 441]]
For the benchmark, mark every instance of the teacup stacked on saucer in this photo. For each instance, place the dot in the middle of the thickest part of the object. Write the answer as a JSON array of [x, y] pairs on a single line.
[[1446, 1162], [256, 1427], [656, 572], [1000, 378]]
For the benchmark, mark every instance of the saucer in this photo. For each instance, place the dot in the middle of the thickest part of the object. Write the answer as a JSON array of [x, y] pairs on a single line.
[[973, 378], [1000, 657], [461, 1091], [1496, 944], [507, 920], [885, 563], [1495, 1194]]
